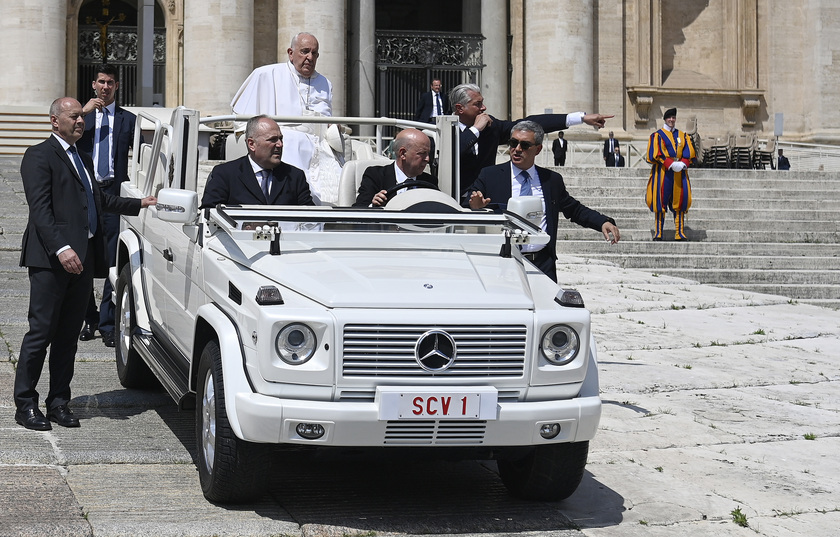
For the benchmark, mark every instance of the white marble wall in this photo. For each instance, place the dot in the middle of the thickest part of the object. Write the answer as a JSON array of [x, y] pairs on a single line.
[[563, 33], [218, 52], [33, 75]]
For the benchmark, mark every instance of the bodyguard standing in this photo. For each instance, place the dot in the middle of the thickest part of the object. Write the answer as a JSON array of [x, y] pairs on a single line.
[[109, 133], [432, 104], [559, 147], [64, 249]]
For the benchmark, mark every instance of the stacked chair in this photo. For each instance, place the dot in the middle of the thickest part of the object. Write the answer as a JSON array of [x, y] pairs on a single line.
[[765, 156], [716, 151], [741, 155]]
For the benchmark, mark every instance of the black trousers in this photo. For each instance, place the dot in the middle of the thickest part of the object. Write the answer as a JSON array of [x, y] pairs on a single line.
[[104, 316], [57, 302]]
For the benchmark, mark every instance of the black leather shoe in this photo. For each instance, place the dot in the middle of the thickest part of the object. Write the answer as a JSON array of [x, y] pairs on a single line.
[[108, 339], [62, 416], [32, 419], [88, 331]]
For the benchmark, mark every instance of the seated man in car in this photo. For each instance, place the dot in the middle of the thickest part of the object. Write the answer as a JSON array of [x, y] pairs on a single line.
[[260, 177], [411, 154]]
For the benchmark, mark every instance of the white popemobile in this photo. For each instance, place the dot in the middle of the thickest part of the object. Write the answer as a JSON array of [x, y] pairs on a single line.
[[417, 326]]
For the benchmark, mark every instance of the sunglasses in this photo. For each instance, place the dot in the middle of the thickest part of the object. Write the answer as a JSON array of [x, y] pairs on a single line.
[[513, 143]]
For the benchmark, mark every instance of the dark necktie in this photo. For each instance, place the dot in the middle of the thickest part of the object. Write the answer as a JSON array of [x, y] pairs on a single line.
[[266, 183], [91, 205], [439, 108], [525, 187], [103, 167]]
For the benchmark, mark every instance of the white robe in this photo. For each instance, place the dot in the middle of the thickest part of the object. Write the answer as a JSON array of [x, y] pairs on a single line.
[[279, 90]]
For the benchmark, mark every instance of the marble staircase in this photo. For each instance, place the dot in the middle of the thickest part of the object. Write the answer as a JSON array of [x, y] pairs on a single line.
[[764, 231]]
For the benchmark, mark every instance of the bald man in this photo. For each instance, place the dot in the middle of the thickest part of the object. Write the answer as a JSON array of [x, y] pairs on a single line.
[[411, 150]]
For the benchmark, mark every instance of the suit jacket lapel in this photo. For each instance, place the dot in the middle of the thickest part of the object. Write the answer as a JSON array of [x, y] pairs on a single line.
[[62, 154], [248, 179], [550, 208], [278, 183], [389, 177], [116, 128]]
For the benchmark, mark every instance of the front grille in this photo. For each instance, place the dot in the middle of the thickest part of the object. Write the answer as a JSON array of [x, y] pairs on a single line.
[[431, 432], [369, 396], [387, 351]]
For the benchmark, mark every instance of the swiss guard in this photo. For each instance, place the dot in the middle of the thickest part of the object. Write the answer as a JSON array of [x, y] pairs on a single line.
[[670, 152]]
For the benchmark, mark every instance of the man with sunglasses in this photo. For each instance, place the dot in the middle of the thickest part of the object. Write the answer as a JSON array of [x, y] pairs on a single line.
[[495, 185], [482, 134]]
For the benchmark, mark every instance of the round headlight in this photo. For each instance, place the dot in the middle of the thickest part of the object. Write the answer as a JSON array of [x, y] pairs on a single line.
[[560, 344], [295, 344]]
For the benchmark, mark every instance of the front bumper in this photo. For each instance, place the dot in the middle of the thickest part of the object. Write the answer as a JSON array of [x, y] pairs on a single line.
[[352, 424]]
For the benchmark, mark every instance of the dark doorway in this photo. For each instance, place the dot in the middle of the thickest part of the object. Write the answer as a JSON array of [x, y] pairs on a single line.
[[428, 16], [108, 34]]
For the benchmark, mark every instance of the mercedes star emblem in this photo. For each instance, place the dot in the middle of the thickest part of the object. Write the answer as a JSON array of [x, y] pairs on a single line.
[[435, 351]]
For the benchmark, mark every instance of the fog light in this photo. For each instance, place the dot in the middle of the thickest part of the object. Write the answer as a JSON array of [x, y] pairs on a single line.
[[313, 431], [547, 430]]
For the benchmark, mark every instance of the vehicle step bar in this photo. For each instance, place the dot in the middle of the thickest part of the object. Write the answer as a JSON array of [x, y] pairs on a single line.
[[173, 378]]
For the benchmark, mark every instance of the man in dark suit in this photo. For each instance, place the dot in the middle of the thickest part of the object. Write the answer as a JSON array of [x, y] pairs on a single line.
[[260, 177], [432, 104], [520, 177], [784, 163], [559, 148], [609, 148], [411, 155], [64, 249], [616, 160], [481, 133], [108, 136]]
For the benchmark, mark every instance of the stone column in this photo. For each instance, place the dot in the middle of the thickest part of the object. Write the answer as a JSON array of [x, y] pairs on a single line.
[[326, 20], [33, 75], [558, 55], [494, 76], [218, 52], [362, 54]]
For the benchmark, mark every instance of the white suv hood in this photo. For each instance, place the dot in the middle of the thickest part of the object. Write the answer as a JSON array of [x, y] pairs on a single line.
[[399, 278]]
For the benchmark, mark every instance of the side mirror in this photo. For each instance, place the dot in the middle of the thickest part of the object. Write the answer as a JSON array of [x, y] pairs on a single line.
[[177, 206], [528, 208]]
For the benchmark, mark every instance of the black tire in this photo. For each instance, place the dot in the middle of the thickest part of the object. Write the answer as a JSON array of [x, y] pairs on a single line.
[[550, 473], [132, 371], [229, 469]]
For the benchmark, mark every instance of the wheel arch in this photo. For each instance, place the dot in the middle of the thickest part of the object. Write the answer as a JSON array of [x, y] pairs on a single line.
[[213, 324], [130, 252]]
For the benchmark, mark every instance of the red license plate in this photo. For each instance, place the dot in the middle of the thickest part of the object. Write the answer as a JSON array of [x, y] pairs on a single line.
[[439, 406]]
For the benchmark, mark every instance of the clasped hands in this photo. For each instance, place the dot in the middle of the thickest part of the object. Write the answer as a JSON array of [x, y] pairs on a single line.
[[677, 166]]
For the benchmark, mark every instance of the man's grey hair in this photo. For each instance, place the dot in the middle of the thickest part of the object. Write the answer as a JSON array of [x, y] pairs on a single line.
[[252, 125], [460, 94], [55, 107], [399, 143], [530, 126], [293, 44]]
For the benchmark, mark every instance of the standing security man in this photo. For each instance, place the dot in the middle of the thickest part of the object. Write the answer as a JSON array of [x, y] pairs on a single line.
[[109, 133]]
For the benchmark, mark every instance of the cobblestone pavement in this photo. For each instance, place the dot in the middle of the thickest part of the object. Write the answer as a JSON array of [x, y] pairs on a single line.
[[716, 403]]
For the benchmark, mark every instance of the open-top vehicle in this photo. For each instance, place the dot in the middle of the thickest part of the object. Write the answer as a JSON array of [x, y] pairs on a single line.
[[419, 325]]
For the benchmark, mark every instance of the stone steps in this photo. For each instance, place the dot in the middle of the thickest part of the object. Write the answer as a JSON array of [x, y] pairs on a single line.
[[697, 233], [761, 231], [705, 202], [726, 262], [22, 127], [595, 243]]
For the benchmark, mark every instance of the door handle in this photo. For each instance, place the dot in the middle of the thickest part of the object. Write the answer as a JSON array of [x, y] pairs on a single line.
[[167, 254]]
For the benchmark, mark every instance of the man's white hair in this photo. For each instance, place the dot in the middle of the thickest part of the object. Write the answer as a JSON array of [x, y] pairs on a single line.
[[297, 36]]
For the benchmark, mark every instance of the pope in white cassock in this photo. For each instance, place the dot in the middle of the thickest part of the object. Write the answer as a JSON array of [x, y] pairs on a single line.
[[294, 88]]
